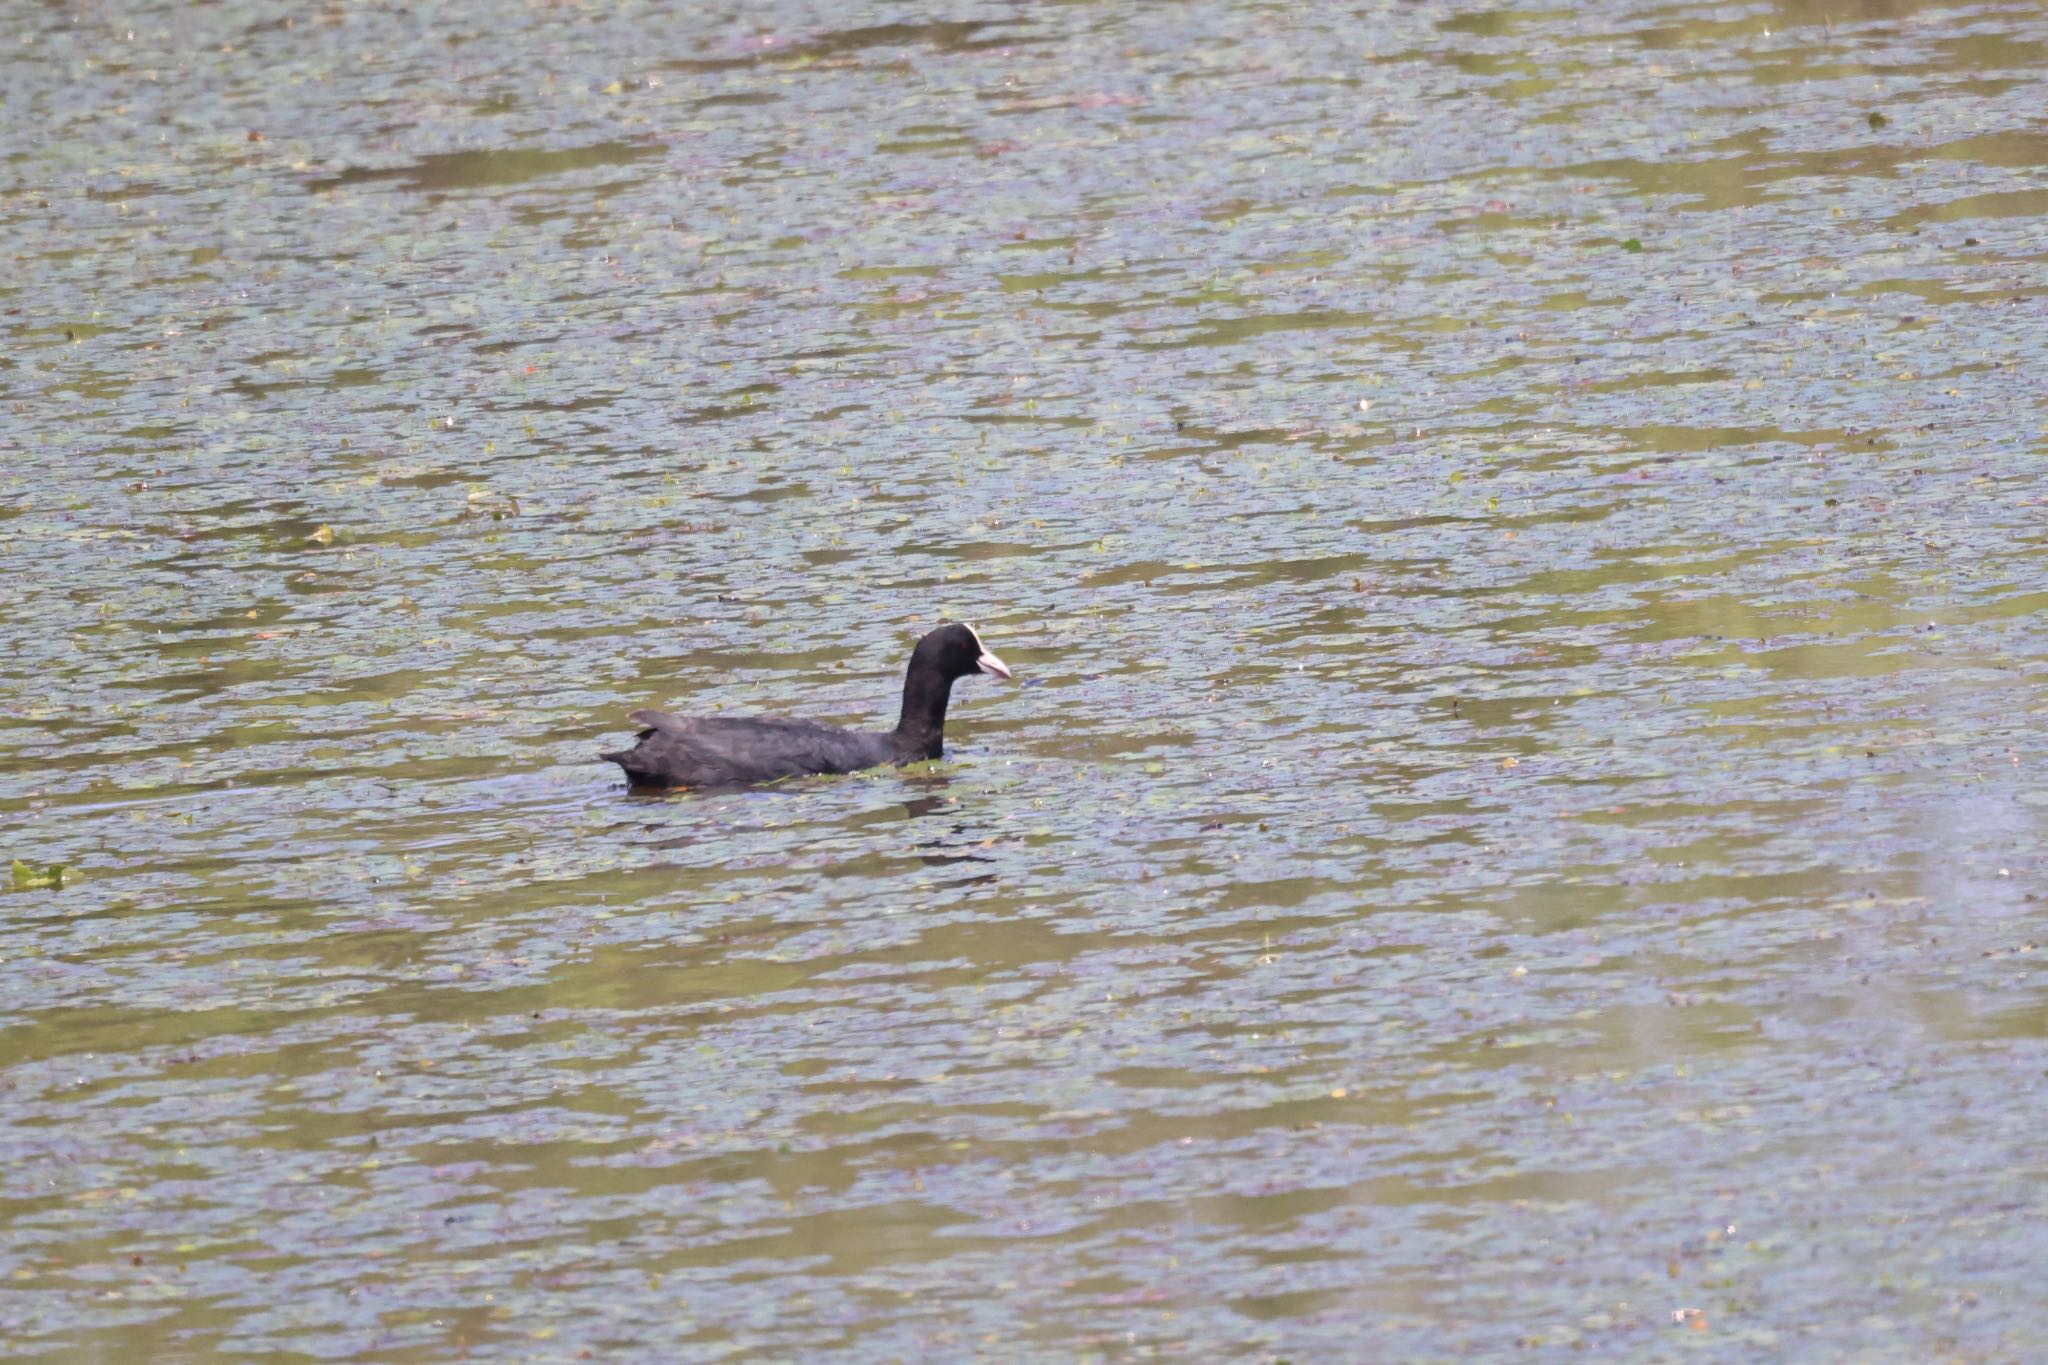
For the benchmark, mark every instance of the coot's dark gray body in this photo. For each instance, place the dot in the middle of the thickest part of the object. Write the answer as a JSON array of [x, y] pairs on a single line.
[[687, 751]]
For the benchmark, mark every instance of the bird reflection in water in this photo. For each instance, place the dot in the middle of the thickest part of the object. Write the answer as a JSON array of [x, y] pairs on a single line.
[[936, 802]]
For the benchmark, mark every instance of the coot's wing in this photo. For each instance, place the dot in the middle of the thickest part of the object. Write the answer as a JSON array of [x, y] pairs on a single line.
[[690, 751], [661, 722]]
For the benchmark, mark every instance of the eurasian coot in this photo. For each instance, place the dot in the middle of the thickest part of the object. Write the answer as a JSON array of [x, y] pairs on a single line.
[[685, 751]]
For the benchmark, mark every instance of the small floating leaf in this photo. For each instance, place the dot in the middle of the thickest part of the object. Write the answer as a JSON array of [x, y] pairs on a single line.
[[26, 877], [323, 536], [1632, 244], [1876, 121]]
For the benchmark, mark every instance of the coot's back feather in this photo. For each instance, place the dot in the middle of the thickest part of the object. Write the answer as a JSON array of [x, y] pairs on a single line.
[[692, 751]]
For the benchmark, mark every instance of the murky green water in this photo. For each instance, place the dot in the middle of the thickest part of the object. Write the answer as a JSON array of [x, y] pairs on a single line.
[[1519, 828]]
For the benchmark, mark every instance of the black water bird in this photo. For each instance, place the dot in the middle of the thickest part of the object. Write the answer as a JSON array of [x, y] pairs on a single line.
[[689, 751]]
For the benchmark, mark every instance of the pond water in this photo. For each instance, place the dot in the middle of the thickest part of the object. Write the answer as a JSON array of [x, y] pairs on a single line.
[[1518, 827]]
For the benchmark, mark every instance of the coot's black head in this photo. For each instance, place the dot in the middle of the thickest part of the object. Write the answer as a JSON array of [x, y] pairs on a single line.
[[956, 651]]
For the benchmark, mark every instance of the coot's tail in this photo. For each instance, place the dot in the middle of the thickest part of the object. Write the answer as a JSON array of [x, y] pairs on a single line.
[[629, 759]]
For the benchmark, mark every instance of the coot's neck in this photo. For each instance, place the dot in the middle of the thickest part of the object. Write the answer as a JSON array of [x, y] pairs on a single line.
[[922, 724]]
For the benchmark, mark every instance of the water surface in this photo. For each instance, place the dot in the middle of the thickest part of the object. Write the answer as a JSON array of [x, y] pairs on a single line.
[[1516, 834]]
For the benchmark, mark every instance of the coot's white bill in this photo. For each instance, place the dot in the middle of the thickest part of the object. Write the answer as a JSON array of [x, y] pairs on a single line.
[[987, 662]]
